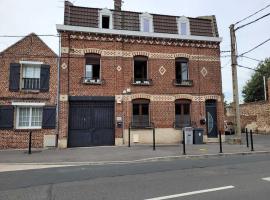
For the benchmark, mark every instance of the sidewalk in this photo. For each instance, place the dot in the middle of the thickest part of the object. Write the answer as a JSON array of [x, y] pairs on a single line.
[[136, 153]]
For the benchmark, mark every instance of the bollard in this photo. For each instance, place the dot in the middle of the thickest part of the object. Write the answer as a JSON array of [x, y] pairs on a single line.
[[184, 143], [220, 143], [128, 136], [247, 138], [154, 139], [30, 143], [251, 140]]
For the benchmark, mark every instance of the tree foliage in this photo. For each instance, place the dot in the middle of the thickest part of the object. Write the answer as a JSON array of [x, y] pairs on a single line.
[[254, 88]]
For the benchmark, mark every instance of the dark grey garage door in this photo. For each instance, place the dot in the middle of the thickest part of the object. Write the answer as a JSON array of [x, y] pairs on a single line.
[[91, 123]]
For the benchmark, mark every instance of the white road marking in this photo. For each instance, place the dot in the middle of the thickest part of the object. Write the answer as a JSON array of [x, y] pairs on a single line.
[[266, 179], [192, 193]]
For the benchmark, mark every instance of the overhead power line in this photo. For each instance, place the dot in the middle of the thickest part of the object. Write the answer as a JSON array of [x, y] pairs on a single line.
[[247, 68], [255, 47], [252, 22], [21, 36], [251, 58], [253, 14]]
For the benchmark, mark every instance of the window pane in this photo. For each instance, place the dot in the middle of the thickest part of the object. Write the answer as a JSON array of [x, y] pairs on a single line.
[[186, 109], [184, 67], [36, 117], [178, 109], [31, 71], [89, 71], [24, 117], [106, 22], [96, 71], [146, 25], [136, 109], [183, 28], [145, 109]]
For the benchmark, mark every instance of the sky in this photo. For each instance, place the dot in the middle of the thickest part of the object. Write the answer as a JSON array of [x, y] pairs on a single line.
[[21, 17]]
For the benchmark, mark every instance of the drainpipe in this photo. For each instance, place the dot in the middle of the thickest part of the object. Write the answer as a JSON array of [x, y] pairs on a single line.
[[58, 89]]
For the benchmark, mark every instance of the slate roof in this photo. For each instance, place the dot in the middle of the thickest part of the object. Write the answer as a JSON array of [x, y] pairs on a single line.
[[127, 20]]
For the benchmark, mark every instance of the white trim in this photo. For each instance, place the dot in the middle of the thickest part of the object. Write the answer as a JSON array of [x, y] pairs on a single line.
[[61, 27], [30, 118], [105, 12], [149, 17], [31, 62], [33, 104], [185, 20]]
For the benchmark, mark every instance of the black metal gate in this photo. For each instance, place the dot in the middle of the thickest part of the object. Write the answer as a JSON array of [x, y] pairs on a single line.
[[91, 123]]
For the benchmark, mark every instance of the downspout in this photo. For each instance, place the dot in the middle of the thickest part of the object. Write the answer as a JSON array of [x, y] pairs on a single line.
[[58, 89]]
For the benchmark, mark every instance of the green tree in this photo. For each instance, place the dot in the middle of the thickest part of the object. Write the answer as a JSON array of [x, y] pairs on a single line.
[[254, 88]]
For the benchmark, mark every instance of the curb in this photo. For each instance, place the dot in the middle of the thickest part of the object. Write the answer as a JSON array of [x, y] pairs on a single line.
[[144, 160]]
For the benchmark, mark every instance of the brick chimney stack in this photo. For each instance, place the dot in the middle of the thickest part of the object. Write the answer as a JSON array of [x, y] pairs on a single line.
[[118, 5]]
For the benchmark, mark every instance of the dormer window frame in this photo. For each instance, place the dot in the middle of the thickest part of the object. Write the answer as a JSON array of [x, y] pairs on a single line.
[[183, 21], [108, 13], [149, 17]]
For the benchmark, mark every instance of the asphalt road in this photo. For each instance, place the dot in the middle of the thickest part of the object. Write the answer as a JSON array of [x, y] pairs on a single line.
[[231, 177]]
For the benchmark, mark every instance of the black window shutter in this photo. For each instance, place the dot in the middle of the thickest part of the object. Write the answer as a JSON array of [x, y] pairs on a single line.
[[49, 117], [6, 117], [44, 78], [14, 77]]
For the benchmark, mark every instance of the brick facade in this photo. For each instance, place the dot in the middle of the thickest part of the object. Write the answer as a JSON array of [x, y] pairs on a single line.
[[117, 71], [30, 48]]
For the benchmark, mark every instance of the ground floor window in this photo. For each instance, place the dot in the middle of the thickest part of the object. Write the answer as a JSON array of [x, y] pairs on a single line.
[[29, 117], [140, 113], [182, 113]]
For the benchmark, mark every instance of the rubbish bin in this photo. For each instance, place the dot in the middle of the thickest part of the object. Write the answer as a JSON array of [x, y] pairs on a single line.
[[198, 136], [188, 135]]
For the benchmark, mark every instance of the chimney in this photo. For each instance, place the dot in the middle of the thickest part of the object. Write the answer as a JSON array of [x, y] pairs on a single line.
[[117, 5]]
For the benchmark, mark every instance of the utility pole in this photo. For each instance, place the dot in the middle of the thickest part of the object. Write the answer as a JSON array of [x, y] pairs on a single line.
[[237, 126], [264, 85]]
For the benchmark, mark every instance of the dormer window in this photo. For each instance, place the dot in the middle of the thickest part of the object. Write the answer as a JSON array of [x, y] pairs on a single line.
[[146, 21], [105, 19], [183, 26]]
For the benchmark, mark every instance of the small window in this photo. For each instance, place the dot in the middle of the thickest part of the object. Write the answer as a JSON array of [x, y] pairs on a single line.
[[31, 77], [146, 23], [92, 68], [140, 70], [105, 22], [181, 70], [140, 114], [183, 26], [29, 117]]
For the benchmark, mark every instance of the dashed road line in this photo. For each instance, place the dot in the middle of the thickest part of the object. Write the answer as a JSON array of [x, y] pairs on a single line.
[[266, 179]]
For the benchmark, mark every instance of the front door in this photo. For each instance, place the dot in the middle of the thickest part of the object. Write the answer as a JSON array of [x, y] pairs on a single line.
[[211, 118]]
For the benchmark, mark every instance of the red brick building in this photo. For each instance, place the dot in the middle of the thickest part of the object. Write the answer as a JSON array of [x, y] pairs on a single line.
[[28, 97], [122, 69]]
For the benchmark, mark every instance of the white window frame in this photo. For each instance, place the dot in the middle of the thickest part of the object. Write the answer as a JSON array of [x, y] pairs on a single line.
[[105, 12], [149, 17], [184, 20], [27, 105]]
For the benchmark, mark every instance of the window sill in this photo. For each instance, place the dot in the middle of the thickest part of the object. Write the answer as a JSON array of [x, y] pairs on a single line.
[[92, 81], [142, 83], [187, 83], [28, 128], [30, 91]]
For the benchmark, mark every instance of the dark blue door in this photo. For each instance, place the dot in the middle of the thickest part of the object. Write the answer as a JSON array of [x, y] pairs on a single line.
[[211, 118], [91, 124]]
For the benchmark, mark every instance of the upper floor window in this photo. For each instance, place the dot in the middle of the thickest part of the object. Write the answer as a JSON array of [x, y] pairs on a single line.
[[182, 72], [92, 68], [140, 71], [29, 75], [146, 21], [105, 19], [183, 26]]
